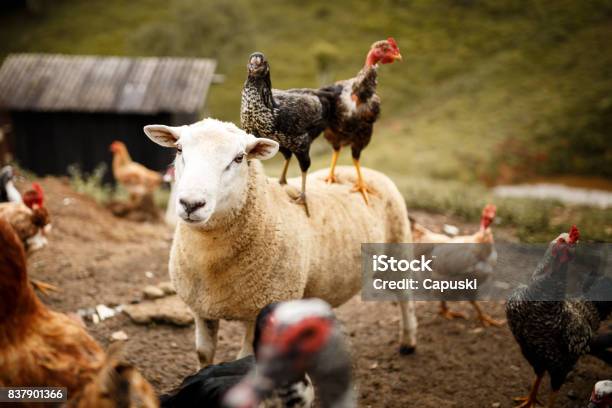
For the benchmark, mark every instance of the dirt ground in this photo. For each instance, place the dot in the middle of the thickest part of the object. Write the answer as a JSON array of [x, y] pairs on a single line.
[[96, 258]]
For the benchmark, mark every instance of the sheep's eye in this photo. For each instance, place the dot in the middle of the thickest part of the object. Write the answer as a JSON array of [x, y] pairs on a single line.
[[239, 158], [179, 149]]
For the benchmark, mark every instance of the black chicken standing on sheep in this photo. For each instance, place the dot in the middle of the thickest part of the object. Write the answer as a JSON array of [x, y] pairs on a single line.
[[293, 117], [553, 333]]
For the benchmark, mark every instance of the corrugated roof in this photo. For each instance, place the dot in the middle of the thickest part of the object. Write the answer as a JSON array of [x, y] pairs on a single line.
[[83, 83]]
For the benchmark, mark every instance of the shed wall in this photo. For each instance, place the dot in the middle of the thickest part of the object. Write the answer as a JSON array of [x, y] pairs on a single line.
[[49, 142]]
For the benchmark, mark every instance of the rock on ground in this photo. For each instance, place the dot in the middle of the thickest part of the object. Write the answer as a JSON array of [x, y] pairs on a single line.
[[170, 309]]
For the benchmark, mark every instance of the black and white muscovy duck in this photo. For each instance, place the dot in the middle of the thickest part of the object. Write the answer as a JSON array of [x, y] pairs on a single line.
[[8, 191], [552, 332], [303, 337], [207, 387], [602, 395]]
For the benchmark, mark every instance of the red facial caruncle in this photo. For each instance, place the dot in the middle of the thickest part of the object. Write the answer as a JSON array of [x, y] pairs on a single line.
[[35, 197], [306, 337], [488, 215]]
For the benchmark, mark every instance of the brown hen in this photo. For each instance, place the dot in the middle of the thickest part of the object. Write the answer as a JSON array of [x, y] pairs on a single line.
[[136, 178], [40, 347]]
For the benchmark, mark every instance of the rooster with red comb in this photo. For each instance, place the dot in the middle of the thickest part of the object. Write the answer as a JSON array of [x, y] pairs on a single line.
[[554, 332], [35, 197], [357, 107]]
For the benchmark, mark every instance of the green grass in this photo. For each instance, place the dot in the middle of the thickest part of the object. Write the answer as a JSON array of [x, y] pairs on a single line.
[[93, 185], [489, 90], [533, 220]]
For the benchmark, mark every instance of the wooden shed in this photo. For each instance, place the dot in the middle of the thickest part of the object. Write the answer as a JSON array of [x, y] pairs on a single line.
[[63, 110]]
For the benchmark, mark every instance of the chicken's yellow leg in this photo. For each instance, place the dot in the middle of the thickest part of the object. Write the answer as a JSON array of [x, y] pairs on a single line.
[[531, 400], [331, 178], [43, 287], [360, 185], [484, 318], [446, 313]]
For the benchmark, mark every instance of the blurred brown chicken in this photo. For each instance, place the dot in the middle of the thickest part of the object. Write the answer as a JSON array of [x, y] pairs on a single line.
[[31, 225], [40, 347], [134, 177], [117, 385]]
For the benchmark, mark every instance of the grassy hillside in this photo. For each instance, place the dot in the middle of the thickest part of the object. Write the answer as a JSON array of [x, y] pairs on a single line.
[[489, 90]]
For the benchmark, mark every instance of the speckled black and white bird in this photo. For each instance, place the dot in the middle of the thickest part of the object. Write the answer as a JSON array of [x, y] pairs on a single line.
[[554, 332], [303, 338], [207, 387], [293, 117]]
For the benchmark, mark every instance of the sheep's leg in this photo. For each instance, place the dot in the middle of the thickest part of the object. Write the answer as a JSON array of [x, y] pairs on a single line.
[[247, 340], [408, 327], [206, 340]]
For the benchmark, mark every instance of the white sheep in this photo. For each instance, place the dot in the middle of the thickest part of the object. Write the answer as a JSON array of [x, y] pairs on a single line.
[[241, 243]]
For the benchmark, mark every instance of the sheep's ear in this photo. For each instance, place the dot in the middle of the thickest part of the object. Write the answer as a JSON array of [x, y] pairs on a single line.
[[261, 148], [163, 135]]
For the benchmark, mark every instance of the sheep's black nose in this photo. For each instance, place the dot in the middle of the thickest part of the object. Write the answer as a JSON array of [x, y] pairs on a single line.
[[191, 206]]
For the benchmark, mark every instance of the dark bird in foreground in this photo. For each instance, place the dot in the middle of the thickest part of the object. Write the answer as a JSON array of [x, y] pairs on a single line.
[[602, 395], [207, 387], [552, 332], [293, 117], [303, 338], [356, 108]]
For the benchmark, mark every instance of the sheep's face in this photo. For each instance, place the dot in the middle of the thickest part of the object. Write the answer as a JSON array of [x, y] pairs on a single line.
[[211, 167]]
